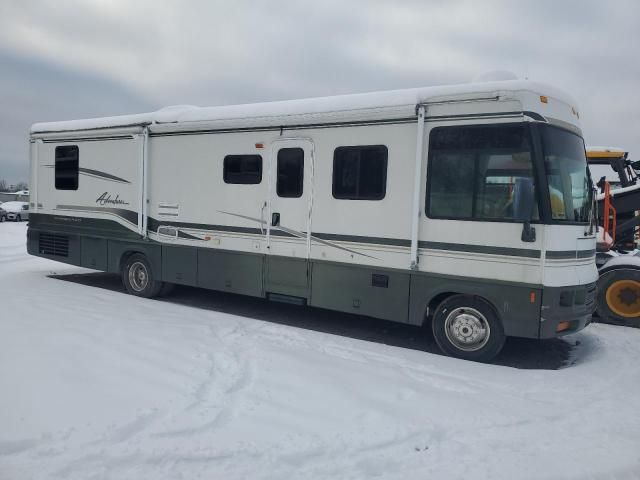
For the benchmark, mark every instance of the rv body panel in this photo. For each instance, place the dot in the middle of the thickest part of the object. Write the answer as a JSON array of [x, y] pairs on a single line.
[[351, 255], [108, 184]]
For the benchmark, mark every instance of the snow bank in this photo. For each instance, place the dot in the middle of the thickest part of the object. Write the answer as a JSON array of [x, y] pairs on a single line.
[[97, 384]]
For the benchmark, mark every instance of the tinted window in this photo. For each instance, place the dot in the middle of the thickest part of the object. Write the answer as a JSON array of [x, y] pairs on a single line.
[[360, 173], [290, 172], [66, 168], [242, 169], [475, 172], [567, 174]]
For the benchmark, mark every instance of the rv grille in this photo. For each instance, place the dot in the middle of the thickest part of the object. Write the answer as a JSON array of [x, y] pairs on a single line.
[[52, 244]]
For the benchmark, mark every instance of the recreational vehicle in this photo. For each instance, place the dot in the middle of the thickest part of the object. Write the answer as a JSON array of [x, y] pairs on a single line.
[[465, 208]]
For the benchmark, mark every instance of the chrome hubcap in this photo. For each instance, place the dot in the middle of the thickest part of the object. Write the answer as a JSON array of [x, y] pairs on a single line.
[[138, 276], [467, 329]]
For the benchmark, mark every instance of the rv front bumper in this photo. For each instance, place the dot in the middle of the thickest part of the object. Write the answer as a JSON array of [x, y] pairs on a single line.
[[566, 309]]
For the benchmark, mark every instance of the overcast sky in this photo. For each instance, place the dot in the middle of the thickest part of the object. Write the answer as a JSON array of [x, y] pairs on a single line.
[[75, 59]]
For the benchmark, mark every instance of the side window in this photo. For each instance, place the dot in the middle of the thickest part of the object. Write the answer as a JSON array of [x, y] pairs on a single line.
[[242, 169], [474, 172], [66, 167], [360, 173], [290, 172]]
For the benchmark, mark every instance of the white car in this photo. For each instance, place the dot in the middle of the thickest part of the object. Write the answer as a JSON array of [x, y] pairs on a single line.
[[16, 211]]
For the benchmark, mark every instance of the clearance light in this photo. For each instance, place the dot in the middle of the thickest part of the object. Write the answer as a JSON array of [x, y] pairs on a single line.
[[532, 297], [562, 326], [544, 99]]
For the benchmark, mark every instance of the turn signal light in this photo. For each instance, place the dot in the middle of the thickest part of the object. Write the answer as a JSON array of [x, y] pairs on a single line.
[[562, 326], [544, 99]]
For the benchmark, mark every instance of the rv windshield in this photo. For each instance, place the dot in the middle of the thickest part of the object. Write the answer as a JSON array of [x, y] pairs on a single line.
[[567, 175]]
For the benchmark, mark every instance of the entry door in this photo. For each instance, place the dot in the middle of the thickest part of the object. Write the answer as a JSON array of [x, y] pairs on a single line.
[[289, 219]]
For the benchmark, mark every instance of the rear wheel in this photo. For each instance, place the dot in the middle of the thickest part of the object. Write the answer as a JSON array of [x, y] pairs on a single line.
[[618, 299], [138, 277], [467, 327], [18, 218]]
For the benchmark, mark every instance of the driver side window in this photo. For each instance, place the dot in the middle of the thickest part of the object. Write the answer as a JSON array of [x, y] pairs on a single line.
[[474, 172]]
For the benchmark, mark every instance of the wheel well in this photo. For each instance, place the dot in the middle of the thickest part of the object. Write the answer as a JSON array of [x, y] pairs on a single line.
[[441, 297], [433, 305]]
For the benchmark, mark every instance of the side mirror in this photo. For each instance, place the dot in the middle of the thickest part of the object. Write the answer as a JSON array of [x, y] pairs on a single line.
[[524, 201]]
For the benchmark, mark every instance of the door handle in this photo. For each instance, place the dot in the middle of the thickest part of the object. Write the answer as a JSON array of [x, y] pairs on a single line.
[[275, 219]]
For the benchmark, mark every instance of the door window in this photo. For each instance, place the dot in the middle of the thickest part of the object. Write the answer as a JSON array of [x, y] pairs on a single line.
[[290, 171]]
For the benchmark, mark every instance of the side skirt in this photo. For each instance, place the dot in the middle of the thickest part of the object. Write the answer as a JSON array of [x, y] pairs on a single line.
[[390, 294]]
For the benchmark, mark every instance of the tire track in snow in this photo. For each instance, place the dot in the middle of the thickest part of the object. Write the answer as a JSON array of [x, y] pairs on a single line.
[[130, 429], [228, 366]]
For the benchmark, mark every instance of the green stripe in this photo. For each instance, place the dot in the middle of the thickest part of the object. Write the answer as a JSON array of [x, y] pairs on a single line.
[[459, 247], [398, 242], [128, 215], [84, 224]]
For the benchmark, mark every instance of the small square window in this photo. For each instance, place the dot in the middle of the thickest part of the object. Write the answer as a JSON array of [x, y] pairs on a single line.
[[242, 169], [360, 173]]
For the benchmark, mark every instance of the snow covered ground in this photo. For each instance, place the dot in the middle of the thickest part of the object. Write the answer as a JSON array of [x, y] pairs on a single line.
[[95, 384]]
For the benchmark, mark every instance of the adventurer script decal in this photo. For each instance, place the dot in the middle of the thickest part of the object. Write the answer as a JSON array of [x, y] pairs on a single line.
[[105, 200]]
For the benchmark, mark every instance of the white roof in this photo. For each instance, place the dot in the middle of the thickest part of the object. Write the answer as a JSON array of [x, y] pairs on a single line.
[[310, 106]]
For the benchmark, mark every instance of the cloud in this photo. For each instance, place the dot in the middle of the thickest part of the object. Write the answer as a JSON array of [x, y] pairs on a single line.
[[33, 90], [218, 52]]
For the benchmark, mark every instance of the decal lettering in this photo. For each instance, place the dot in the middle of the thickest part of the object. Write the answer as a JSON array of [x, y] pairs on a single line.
[[106, 199]]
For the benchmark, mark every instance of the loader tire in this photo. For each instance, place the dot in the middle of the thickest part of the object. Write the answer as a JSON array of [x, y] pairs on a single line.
[[618, 297]]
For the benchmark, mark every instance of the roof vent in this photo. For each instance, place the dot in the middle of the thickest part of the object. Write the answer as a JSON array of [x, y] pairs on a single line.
[[171, 113]]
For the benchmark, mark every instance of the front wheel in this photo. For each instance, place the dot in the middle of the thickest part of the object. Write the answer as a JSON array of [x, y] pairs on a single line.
[[18, 218], [467, 327], [138, 277]]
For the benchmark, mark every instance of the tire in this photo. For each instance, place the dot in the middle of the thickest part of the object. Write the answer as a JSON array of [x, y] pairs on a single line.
[[618, 297], [1, 218], [18, 218], [138, 277], [467, 327]]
